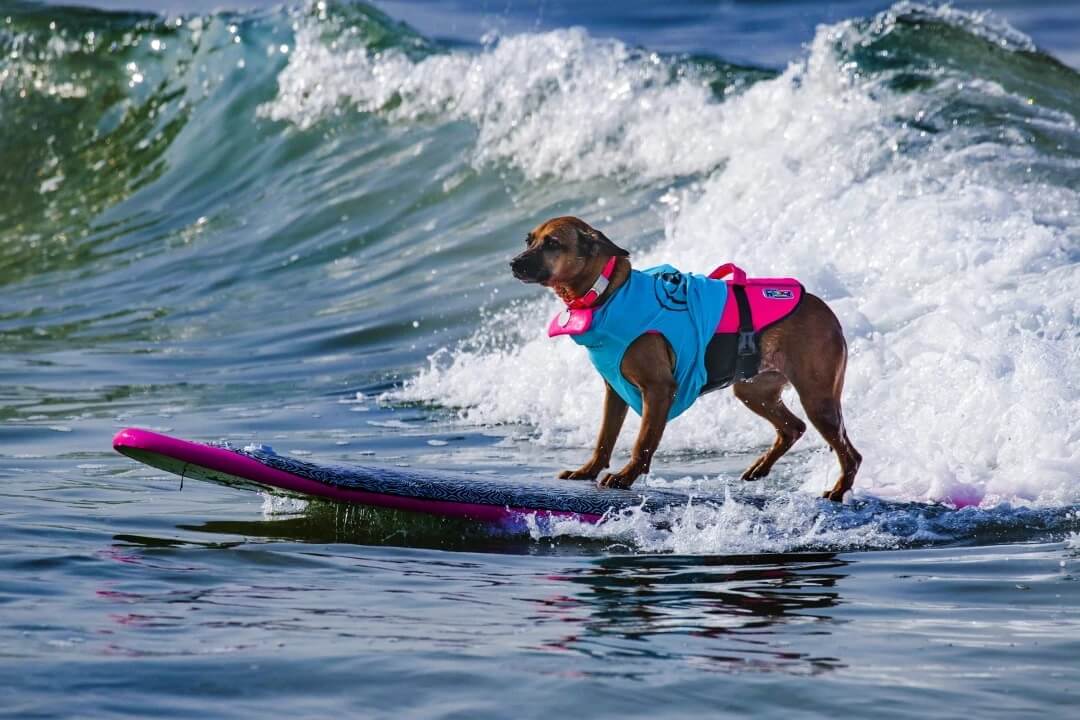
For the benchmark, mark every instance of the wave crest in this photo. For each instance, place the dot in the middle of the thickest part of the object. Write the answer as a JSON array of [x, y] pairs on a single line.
[[559, 103]]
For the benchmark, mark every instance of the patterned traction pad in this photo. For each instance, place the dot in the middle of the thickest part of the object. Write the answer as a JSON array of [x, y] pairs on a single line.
[[524, 493]]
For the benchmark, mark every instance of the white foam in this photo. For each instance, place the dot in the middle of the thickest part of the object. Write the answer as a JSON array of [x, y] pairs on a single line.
[[786, 523], [953, 274], [279, 505], [953, 271], [558, 103]]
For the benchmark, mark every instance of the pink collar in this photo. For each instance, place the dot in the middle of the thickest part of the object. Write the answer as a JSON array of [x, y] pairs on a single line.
[[593, 294]]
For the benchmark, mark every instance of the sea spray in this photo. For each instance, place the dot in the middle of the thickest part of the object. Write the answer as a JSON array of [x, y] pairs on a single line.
[[951, 265], [303, 202]]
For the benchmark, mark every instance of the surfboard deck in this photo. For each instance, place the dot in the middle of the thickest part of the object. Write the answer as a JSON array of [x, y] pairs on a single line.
[[459, 495]]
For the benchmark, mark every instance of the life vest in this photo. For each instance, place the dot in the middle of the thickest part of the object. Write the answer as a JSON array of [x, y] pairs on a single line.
[[715, 341]]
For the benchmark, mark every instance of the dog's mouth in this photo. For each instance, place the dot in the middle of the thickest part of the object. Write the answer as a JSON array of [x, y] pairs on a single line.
[[529, 271], [542, 279]]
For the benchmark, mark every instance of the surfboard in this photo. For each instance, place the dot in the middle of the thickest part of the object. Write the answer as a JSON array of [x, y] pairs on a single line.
[[470, 496]]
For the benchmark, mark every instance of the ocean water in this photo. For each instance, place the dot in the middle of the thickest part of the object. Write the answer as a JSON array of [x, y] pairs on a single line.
[[290, 225]]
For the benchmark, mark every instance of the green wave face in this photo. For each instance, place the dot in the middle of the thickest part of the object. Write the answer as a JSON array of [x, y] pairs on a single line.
[[91, 103], [971, 73], [99, 106]]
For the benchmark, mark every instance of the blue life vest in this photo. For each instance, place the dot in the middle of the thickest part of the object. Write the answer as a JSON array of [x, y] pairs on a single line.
[[685, 308]]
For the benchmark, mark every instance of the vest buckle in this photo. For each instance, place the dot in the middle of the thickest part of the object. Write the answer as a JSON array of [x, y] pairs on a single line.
[[747, 344]]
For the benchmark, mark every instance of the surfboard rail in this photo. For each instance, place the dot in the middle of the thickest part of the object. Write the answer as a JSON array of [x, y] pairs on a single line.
[[235, 468]]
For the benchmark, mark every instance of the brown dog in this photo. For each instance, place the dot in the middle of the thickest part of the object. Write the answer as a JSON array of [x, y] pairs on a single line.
[[806, 349]]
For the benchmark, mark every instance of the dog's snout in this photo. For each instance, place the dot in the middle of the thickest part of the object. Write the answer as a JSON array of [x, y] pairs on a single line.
[[526, 266], [517, 266]]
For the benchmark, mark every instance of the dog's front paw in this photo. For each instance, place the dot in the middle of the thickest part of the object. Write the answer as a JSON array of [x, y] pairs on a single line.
[[755, 472], [620, 481], [588, 471], [584, 473]]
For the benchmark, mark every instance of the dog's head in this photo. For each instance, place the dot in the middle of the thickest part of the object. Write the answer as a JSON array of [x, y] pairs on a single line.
[[563, 251]]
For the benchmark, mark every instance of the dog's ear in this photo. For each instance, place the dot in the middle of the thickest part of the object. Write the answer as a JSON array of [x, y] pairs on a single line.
[[591, 242]]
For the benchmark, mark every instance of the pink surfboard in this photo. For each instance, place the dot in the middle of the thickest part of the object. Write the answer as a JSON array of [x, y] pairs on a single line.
[[459, 495]]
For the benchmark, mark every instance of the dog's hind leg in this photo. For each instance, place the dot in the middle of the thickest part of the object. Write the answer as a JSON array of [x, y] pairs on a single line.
[[762, 395], [825, 413], [809, 348]]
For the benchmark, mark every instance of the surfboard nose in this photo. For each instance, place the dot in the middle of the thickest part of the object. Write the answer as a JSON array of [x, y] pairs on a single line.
[[137, 439], [128, 437], [121, 439]]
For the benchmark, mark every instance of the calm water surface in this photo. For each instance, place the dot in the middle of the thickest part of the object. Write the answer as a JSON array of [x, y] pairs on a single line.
[[290, 225]]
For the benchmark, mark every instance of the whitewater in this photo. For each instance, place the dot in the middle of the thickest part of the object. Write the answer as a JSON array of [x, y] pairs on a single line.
[[917, 169], [290, 226], [948, 251]]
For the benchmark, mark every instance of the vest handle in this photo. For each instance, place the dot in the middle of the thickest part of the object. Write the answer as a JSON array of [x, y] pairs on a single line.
[[738, 277]]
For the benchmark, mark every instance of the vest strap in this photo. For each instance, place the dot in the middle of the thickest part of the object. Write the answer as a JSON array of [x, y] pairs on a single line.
[[748, 354]]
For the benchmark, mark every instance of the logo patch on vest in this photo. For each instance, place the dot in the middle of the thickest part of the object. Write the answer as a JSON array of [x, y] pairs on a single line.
[[777, 294]]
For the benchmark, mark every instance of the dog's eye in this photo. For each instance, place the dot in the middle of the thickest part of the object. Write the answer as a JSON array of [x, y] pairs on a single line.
[[551, 243]]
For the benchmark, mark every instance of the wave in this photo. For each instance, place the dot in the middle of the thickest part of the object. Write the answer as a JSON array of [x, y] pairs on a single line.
[[797, 522], [556, 104], [933, 207], [918, 169]]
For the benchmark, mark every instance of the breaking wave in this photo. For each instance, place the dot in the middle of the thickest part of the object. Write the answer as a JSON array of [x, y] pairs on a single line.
[[929, 197], [236, 196]]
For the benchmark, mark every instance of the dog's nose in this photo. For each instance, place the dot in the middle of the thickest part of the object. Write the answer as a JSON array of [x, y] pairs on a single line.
[[517, 265]]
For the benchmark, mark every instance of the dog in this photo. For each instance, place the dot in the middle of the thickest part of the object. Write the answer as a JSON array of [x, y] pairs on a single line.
[[805, 348]]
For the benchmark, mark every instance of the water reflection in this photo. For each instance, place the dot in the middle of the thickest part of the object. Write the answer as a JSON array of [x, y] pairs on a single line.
[[378, 527], [720, 613], [766, 612]]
